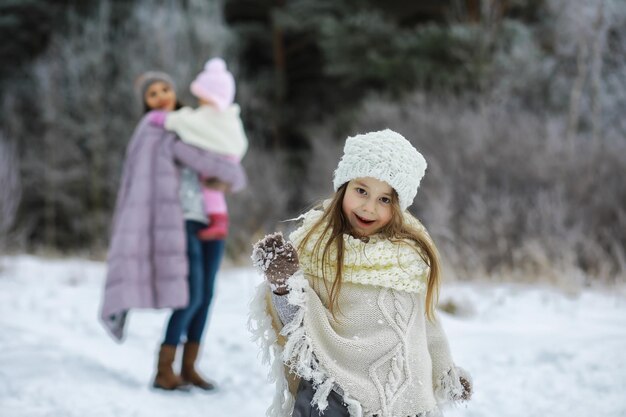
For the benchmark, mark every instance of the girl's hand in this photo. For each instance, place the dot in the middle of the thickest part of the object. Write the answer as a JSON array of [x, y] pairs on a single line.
[[277, 259]]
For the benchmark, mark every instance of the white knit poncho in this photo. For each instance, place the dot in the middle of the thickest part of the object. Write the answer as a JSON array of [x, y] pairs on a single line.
[[381, 353]]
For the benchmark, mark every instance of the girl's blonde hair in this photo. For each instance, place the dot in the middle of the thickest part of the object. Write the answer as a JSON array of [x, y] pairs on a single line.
[[397, 230]]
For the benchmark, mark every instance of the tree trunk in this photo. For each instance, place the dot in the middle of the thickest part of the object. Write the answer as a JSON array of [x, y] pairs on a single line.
[[278, 45], [577, 89], [10, 188], [600, 28]]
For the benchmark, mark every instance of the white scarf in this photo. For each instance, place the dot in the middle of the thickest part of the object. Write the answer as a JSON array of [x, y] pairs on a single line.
[[377, 262]]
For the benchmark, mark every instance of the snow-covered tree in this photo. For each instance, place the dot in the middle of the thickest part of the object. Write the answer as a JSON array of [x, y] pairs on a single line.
[[76, 113], [10, 187]]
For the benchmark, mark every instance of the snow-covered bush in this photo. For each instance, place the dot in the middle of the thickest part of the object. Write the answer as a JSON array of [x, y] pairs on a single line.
[[507, 193]]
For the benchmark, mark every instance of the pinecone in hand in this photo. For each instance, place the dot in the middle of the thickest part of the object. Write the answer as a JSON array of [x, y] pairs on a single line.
[[467, 389], [277, 259]]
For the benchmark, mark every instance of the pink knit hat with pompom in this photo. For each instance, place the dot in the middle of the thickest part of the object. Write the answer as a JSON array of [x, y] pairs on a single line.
[[215, 84]]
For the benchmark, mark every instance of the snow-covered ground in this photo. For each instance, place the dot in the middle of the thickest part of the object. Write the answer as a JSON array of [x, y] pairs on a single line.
[[532, 351]]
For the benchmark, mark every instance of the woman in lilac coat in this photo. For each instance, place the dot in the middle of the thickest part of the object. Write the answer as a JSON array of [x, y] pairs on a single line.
[[155, 259]]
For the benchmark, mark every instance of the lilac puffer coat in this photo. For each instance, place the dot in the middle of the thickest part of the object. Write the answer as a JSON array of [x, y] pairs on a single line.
[[147, 263]]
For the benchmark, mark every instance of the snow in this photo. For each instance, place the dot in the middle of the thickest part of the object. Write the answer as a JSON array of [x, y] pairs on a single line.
[[531, 350]]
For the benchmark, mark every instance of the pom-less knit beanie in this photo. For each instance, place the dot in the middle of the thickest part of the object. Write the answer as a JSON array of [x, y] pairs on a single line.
[[215, 83], [386, 156], [145, 80]]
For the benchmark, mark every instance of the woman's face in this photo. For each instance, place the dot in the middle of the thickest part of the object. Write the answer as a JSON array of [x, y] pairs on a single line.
[[160, 96], [367, 205]]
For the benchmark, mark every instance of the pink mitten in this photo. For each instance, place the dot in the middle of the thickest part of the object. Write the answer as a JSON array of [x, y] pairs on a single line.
[[157, 118]]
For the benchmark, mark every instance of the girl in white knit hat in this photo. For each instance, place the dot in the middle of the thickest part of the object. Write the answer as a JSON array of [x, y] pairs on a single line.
[[347, 313], [215, 125]]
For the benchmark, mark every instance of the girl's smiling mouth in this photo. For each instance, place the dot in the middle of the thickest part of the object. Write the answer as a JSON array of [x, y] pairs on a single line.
[[362, 221]]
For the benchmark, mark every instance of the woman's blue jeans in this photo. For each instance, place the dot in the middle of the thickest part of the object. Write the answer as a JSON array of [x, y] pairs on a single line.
[[204, 259]]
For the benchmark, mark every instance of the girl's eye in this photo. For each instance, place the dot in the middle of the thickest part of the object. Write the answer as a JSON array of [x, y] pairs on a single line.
[[385, 200], [166, 89], [360, 190]]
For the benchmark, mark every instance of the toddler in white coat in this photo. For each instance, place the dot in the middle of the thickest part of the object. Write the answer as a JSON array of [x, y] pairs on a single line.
[[215, 125]]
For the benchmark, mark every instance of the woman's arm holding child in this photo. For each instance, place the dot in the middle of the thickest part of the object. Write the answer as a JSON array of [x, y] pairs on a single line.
[[168, 121], [210, 165]]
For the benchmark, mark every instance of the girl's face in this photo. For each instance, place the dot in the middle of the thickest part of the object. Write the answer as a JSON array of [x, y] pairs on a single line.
[[367, 205], [160, 96]]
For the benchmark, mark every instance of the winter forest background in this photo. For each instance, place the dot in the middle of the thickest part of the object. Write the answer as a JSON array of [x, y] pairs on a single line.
[[517, 105]]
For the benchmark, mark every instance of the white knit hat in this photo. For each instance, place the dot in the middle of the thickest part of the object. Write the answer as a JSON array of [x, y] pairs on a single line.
[[386, 156]]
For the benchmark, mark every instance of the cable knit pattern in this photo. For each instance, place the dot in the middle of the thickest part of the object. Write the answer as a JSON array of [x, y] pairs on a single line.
[[399, 374], [378, 262]]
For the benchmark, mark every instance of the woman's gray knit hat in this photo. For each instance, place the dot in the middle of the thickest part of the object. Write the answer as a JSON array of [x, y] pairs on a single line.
[[148, 78], [386, 156]]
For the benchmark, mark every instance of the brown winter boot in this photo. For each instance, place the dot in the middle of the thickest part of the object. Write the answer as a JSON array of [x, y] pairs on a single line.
[[188, 371], [166, 378]]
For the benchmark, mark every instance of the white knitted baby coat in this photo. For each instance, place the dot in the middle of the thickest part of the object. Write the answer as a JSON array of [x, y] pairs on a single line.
[[210, 129]]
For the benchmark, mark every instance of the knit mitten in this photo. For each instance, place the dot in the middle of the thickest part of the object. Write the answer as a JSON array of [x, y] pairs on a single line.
[[277, 259], [157, 118]]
